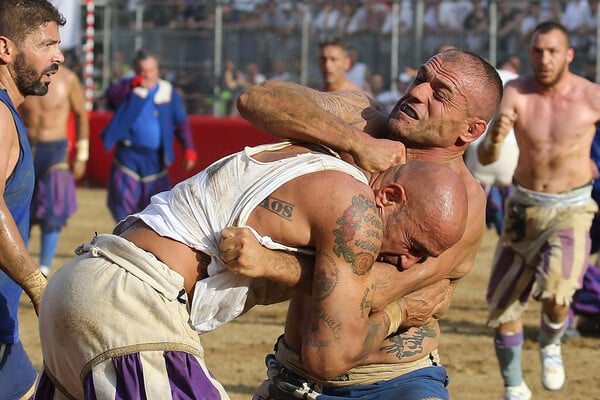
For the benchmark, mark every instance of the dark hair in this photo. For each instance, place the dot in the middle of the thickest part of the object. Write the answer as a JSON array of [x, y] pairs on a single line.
[[333, 41], [140, 56], [19, 18], [547, 26]]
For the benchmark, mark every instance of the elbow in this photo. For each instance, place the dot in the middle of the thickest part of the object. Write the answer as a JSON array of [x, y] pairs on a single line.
[[327, 368], [328, 365]]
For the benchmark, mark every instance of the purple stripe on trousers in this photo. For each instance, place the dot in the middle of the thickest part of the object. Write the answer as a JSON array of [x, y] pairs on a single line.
[[130, 377], [567, 244], [88, 387], [45, 388], [502, 265], [187, 378]]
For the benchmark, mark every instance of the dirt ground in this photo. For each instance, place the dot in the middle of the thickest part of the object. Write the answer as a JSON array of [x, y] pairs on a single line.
[[235, 352]]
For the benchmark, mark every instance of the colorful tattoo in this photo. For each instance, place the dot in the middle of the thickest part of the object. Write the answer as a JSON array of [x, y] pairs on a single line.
[[362, 211]]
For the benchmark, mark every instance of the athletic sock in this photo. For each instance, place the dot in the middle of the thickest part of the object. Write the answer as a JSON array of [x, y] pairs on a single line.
[[508, 351], [49, 242], [551, 332]]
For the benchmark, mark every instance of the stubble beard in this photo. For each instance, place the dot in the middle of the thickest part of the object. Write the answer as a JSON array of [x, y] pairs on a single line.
[[27, 79]]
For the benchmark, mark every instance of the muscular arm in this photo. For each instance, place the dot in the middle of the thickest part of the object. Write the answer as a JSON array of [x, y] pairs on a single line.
[[338, 120], [15, 261], [339, 330], [488, 149]]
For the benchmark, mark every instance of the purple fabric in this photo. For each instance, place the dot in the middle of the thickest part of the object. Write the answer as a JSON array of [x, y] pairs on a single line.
[[139, 176], [566, 244], [88, 387], [45, 388], [508, 341], [587, 299], [130, 377], [54, 198], [187, 378]]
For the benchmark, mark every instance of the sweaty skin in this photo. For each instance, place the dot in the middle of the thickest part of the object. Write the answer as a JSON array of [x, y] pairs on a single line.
[[444, 109], [348, 223]]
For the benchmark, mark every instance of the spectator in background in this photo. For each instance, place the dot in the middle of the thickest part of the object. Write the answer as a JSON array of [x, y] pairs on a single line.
[[325, 22], [149, 113], [452, 16], [533, 17], [359, 72], [333, 63], [388, 98], [280, 71], [509, 22], [477, 26], [47, 122]]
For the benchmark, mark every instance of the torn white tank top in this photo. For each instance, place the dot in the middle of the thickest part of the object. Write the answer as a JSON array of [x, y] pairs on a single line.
[[224, 194]]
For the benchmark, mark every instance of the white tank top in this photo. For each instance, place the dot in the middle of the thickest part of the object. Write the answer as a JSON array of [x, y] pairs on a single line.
[[224, 194]]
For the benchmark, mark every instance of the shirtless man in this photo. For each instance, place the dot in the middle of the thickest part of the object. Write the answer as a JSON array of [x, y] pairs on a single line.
[[294, 197], [334, 62], [46, 119], [445, 108], [544, 247], [29, 58]]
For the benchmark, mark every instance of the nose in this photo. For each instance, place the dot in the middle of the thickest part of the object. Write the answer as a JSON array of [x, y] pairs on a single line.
[[420, 91], [59, 57]]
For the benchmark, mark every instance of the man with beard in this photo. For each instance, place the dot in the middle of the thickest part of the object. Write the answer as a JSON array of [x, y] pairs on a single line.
[[544, 248], [445, 108], [29, 56]]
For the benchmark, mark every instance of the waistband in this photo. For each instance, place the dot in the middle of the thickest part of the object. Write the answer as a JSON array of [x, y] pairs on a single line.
[[360, 375], [138, 262], [576, 196]]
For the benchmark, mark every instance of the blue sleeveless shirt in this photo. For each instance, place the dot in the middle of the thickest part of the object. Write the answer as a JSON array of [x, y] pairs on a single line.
[[17, 196]]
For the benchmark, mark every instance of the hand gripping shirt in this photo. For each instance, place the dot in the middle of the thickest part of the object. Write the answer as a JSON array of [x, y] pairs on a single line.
[[224, 194]]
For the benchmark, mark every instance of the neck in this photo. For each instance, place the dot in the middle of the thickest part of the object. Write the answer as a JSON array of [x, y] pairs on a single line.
[[7, 83], [436, 154]]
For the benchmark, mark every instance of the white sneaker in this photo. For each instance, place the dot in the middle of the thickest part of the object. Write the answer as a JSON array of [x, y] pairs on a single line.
[[553, 371], [520, 392]]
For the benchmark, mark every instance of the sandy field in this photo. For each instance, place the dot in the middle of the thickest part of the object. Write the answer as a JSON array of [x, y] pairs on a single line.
[[235, 352]]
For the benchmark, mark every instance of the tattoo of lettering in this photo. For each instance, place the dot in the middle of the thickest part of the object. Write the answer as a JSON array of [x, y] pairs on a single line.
[[361, 215], [278, 207], [367, 301], [409, 343], [325, 281], [319, 344], [329, 321]]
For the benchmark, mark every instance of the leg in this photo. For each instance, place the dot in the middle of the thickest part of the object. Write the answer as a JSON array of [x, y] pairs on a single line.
[[49, 242]]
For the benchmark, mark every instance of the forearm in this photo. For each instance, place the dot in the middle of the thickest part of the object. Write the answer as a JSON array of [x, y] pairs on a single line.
[[290, 111], [488, 150], [15, 260]]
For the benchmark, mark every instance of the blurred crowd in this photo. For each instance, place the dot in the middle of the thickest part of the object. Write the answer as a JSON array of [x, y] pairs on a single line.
[[262, 39]]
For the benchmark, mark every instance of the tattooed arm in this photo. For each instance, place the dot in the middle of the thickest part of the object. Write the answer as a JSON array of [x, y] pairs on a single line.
[[333, 327], [338, 120]]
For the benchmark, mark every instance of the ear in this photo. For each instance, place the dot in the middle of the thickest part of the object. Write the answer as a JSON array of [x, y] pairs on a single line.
[[476, 127], [570, 55], [6, 49], [391, 194]]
